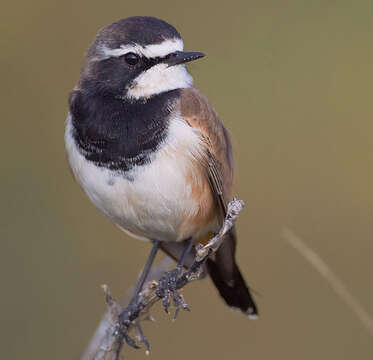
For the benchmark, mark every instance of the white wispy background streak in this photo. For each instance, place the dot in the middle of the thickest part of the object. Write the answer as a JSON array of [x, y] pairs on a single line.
[[331, 278]]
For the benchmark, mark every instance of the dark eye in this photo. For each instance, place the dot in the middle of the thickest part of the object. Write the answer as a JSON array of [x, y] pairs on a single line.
[[131, 58]]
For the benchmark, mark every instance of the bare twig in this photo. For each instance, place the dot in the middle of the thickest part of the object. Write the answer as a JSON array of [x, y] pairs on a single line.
[[99, 345], [106, 343], [337, 285]]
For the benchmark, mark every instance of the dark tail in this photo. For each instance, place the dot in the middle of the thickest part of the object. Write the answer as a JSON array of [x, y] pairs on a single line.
[[227, 278]]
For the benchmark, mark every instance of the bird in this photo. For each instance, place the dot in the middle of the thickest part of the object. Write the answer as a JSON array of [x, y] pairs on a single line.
[[151, 153]]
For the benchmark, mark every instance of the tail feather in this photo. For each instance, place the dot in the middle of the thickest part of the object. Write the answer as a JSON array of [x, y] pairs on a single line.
[[236, 295], [227, 278]]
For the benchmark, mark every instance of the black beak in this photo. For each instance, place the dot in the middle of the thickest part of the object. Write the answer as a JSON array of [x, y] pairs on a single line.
[[181, 57]]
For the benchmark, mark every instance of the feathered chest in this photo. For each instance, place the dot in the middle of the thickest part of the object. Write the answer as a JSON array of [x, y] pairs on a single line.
[[167, 198], [119, 135]]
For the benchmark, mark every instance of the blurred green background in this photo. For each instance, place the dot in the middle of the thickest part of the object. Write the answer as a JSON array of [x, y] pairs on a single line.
[[293, 81]]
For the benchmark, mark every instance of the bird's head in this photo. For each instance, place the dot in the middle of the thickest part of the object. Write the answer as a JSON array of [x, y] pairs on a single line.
[[136, 58]]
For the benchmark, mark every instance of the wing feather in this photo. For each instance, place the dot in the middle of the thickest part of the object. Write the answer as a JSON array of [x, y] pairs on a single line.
[[218, 159]]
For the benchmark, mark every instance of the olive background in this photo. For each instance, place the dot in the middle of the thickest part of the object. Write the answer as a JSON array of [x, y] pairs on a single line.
[[292, 80]]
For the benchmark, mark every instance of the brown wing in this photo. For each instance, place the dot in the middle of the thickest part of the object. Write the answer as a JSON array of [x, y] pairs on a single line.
[[198, 113], [224, 272]]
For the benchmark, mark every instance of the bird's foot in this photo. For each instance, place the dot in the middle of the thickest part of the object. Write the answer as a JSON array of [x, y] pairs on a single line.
[[124, 325], [167, 290]]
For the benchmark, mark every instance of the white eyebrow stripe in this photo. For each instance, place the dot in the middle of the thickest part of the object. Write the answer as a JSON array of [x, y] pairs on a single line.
[[153, 50]]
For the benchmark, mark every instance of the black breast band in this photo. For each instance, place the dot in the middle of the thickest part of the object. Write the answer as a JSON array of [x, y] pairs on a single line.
[[118, 134]]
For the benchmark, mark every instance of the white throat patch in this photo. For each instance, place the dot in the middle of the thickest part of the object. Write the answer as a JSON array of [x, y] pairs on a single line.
[[159, 78]]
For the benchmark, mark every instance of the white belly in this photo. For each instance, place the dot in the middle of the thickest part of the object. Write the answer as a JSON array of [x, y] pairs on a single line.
[[158, 199]]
